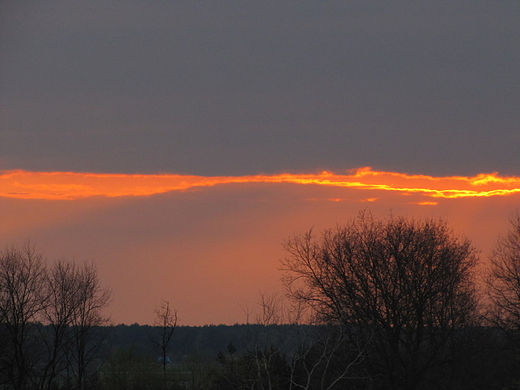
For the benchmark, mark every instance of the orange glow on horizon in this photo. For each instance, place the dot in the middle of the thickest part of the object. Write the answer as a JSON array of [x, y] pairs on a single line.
[[70, 185]]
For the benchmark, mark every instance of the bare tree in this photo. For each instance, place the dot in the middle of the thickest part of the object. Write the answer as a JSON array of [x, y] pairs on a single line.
[[263, 363], [503, 279], [405, 284], [166, 322], [272, 310], [89, 300], [47, 319], [22, 281], [326, 357], [266, 348], [318, 348], [74, 299], [60, 285]]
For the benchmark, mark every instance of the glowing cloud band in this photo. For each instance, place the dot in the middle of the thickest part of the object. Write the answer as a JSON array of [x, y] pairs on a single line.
[[70, 185]]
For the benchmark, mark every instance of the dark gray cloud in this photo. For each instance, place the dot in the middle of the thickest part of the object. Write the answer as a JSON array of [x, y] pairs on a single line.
[[240, 87]]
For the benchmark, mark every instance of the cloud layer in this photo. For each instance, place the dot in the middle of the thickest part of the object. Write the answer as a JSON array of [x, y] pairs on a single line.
[[70, 185]]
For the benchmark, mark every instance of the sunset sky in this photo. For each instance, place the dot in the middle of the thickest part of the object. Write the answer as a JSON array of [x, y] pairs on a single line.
[[177, 143]]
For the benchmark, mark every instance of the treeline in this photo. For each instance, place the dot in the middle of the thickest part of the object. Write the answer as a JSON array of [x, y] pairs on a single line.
[[292, 357], [391, 303], [277, 357]]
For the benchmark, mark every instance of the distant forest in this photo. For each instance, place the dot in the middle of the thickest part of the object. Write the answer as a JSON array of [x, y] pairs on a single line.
[[375, 304], [203, 341], [271, 356]]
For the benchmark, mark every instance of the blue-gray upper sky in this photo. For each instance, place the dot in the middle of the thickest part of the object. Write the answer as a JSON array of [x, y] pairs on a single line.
[[248, 86]]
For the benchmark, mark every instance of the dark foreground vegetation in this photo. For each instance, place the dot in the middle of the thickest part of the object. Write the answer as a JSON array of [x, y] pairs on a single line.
[[272, 357], [374, 304]]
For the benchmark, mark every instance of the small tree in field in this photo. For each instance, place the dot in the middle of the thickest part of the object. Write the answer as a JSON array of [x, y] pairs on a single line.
[[166, 322], [404, 285]]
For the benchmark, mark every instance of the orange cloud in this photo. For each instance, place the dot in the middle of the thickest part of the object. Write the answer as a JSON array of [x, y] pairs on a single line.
[[426, 203], [70, 185]]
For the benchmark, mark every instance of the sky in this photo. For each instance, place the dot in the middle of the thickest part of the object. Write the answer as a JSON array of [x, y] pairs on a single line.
[[176, 144]]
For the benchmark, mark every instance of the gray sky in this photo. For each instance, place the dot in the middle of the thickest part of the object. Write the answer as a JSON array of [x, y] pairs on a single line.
[[243, 87]]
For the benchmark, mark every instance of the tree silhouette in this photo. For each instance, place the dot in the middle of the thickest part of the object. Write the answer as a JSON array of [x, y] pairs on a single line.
[[22, 298], [90, 298], [165, 321], [49, 318], [405, 285], [503, 279]]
